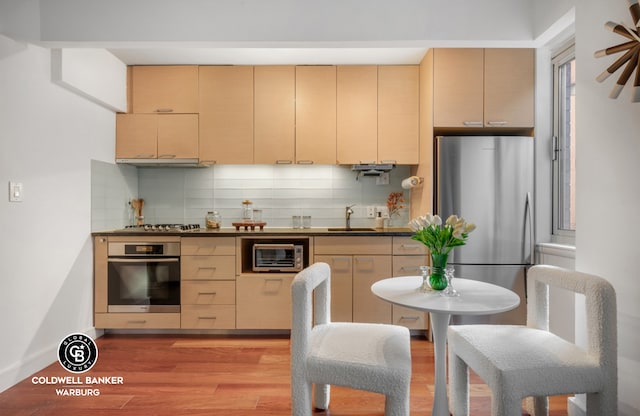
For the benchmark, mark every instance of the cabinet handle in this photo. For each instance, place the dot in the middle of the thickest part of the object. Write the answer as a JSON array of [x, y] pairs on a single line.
[[497, 123], [407, 269], [207, 293], [145, 156], [388, 161], [273, 280], [411, 246], [472, 123], [207, 268], [207, 162], [305, 162], [367, 162], [166, 156], [409, 318], [164, 110], [207, 317], [283, 162], [142, 321]]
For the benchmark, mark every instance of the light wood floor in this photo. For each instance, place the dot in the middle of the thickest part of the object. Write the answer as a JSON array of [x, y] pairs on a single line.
[[172, 375]]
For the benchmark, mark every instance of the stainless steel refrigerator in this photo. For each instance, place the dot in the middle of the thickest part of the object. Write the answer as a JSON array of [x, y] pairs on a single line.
[[489, 181]]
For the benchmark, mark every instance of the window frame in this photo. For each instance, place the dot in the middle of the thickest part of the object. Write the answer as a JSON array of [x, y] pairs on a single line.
[[560, 235]]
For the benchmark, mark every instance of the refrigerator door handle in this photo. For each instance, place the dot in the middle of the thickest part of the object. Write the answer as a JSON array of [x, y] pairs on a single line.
[[529, 214]]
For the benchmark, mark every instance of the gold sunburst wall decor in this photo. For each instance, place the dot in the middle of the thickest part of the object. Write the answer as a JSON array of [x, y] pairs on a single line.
[[630, 59]]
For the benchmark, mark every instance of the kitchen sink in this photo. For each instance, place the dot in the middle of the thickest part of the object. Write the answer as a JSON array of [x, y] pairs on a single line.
[[351, 229]]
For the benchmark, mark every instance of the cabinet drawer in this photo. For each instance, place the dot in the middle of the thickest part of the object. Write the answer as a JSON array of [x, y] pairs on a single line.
[[208, 246], [208, 292], [137, 320], [208, 267], [408, 247], [410, 318], [208, 317], [353, 245], [408, 265]]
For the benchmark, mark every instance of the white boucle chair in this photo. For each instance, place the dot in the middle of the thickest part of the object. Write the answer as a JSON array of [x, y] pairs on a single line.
[[530, 362], [371, 357]]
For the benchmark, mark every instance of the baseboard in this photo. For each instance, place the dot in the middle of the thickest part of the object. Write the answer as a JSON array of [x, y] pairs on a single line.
[[33, 363]]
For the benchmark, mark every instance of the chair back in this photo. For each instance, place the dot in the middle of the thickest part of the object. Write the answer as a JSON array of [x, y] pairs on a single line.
[[311, 301], [600, 302]]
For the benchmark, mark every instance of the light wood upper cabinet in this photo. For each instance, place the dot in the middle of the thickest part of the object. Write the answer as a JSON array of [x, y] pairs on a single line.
[[398, 114], [226, 114], [156, 136], [275, 112], [458, 90], [316, 114], [357, 114], [509, 87], [164, 89], [483, 87]]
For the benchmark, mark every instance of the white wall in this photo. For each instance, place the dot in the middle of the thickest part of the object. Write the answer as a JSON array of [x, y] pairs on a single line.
[[48, 137], [608, 193]]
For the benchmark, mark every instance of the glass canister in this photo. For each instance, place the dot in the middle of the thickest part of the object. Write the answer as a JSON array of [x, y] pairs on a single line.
[[247, 210], [213, 220]]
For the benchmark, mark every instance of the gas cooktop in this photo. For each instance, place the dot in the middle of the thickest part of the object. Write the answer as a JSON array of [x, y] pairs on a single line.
[[163, 227]]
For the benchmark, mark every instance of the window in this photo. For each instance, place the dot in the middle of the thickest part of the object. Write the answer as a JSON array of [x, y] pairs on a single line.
[[564, 144]]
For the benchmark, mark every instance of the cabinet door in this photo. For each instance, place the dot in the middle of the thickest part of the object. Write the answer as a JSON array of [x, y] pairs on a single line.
[[177, 136], [136, 136], [408, 266], [509, 87], [274, 136], [263, 301], [366, 306], [458, 87], [316, 114], [341, 286], [398, 112], [357, 114], [165, 89], [226, 114]]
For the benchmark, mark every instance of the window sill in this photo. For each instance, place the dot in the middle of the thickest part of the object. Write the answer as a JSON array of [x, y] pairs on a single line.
[[557, 249]]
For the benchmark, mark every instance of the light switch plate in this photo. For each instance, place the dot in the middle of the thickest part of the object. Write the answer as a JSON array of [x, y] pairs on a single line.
[[15, 192]]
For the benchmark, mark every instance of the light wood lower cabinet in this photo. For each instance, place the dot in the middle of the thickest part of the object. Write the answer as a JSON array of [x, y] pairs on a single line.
[[208, 285], [137, 320], [263, 301], [359, 261], [408, 256]]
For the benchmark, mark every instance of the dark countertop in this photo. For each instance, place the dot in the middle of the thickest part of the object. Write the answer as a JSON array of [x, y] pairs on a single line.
[[267, 231]]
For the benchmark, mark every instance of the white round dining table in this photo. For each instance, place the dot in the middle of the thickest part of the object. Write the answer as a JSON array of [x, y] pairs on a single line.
[[475, 298]]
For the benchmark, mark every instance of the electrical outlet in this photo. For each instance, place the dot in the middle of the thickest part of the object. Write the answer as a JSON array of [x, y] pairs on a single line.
[[371, 211], [384, 210], [383, 179]]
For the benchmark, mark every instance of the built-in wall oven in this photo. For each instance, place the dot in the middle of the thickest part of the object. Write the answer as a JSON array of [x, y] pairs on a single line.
[[143, 277]]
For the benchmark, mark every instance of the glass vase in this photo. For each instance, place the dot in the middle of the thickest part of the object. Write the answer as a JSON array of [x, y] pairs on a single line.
[[438, 278]]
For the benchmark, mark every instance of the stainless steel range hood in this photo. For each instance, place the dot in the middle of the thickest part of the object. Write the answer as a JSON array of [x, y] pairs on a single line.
[[372, 169], [177, 163]]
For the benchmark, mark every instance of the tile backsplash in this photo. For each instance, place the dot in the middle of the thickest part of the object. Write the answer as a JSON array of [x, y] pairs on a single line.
[[185, 195]]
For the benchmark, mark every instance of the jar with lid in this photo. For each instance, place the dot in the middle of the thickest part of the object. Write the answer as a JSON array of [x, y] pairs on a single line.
[[213, 220], [247, 210]]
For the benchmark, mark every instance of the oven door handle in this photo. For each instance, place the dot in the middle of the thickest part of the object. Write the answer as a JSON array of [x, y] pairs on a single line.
[[145, 260]]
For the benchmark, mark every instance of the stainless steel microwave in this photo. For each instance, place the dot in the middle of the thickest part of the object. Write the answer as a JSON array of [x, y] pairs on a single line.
[[277, 257]]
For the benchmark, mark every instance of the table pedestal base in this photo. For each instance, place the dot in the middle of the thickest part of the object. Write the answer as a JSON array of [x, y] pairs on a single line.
[[440, 322]]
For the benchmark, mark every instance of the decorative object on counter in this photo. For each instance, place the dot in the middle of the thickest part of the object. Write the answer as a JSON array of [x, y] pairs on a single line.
[[257, 215], [412, 182], [249, 225], [296, 221], [449, 290], [137, 205], [247, 210], [213, 220], [306, 221], [379, 221], [440, 239], [631, 57], [395, 202]]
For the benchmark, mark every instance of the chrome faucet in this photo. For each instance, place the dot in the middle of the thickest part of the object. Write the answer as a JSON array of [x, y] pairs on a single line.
[[347, 215]]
